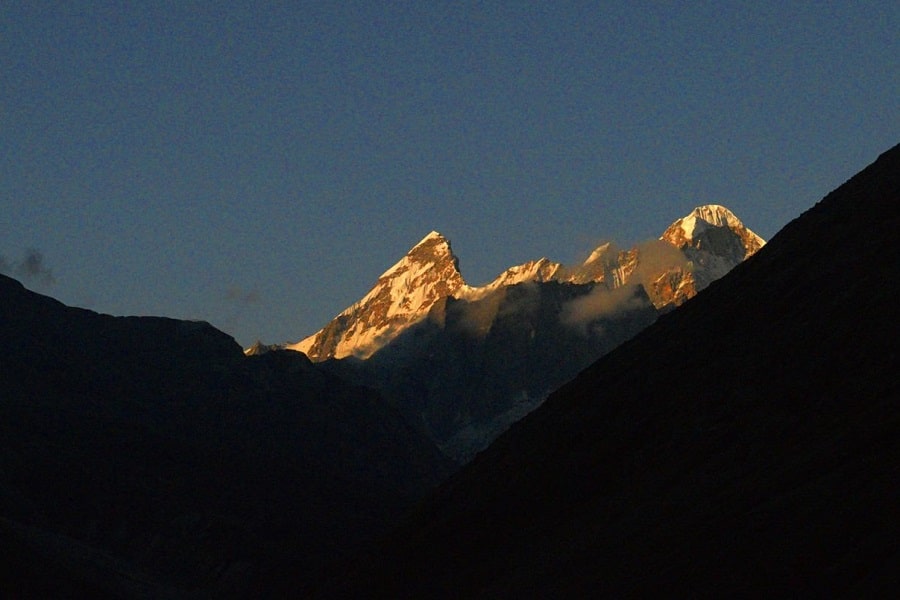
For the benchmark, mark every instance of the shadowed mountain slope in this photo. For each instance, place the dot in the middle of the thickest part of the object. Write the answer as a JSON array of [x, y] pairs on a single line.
[[148, 457], [472, 368], [748, 442]]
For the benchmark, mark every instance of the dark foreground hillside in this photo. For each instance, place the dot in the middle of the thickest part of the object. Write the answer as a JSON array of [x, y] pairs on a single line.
[[748, 442], [148, 457]]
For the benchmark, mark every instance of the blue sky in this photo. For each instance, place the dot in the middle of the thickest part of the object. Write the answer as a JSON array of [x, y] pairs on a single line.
[[258, 165]]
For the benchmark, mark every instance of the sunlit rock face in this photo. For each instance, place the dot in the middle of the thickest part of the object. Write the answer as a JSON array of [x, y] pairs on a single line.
[[402, 296], [714, 241]]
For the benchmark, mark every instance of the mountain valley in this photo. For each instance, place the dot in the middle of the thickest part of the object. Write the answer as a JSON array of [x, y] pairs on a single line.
[[700, 414]]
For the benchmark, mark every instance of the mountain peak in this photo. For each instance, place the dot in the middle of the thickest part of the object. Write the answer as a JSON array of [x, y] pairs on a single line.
[[401, 297], [432, 252], [709, 242], [701, 217], [713, 241], [433, 236], [715, 214], [690, 229], [435, 242]]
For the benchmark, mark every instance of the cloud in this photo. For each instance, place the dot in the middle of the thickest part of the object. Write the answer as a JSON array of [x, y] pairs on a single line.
[[31, 267], [477, 317], [582, 312], [655, 257], [242, 296]]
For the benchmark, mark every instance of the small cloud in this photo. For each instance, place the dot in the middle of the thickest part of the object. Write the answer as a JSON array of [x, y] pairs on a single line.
[[601, 302], [477, 317], [242, 296], [656, 257], [31, 267]]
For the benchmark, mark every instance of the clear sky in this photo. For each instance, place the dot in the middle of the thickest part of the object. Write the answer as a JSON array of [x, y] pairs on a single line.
[[258, 165]]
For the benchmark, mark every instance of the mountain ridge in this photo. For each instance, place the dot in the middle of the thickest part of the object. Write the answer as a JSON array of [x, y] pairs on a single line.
[[149, 457], [403, 294]]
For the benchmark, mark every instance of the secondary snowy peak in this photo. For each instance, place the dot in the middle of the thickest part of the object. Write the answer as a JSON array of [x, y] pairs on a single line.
[[600, 253], [713, 241], [402, 296], [534, 270], [694, 230], [258, 348], [604, 265]]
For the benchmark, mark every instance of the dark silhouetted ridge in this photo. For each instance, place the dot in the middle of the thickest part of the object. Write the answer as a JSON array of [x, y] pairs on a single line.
[[148, 457]]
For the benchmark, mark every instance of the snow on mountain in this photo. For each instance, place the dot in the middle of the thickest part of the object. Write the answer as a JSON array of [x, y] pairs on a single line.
[[692, 252], [402, 296], [690, 230], [714, 241], [604, 265], [539, 271]]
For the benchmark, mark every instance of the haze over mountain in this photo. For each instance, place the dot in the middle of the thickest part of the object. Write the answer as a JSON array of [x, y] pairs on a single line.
[[745, 443]]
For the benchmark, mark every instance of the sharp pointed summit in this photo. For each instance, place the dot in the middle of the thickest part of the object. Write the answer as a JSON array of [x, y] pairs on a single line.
[[693, 229], [401, 297], [714, 241]]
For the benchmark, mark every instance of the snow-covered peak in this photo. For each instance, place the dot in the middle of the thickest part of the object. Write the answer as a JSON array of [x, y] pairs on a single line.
[[402, 296], [598, 253], [703, 216], [687, 230], [432, 249], [434, 235], [534, 270]]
